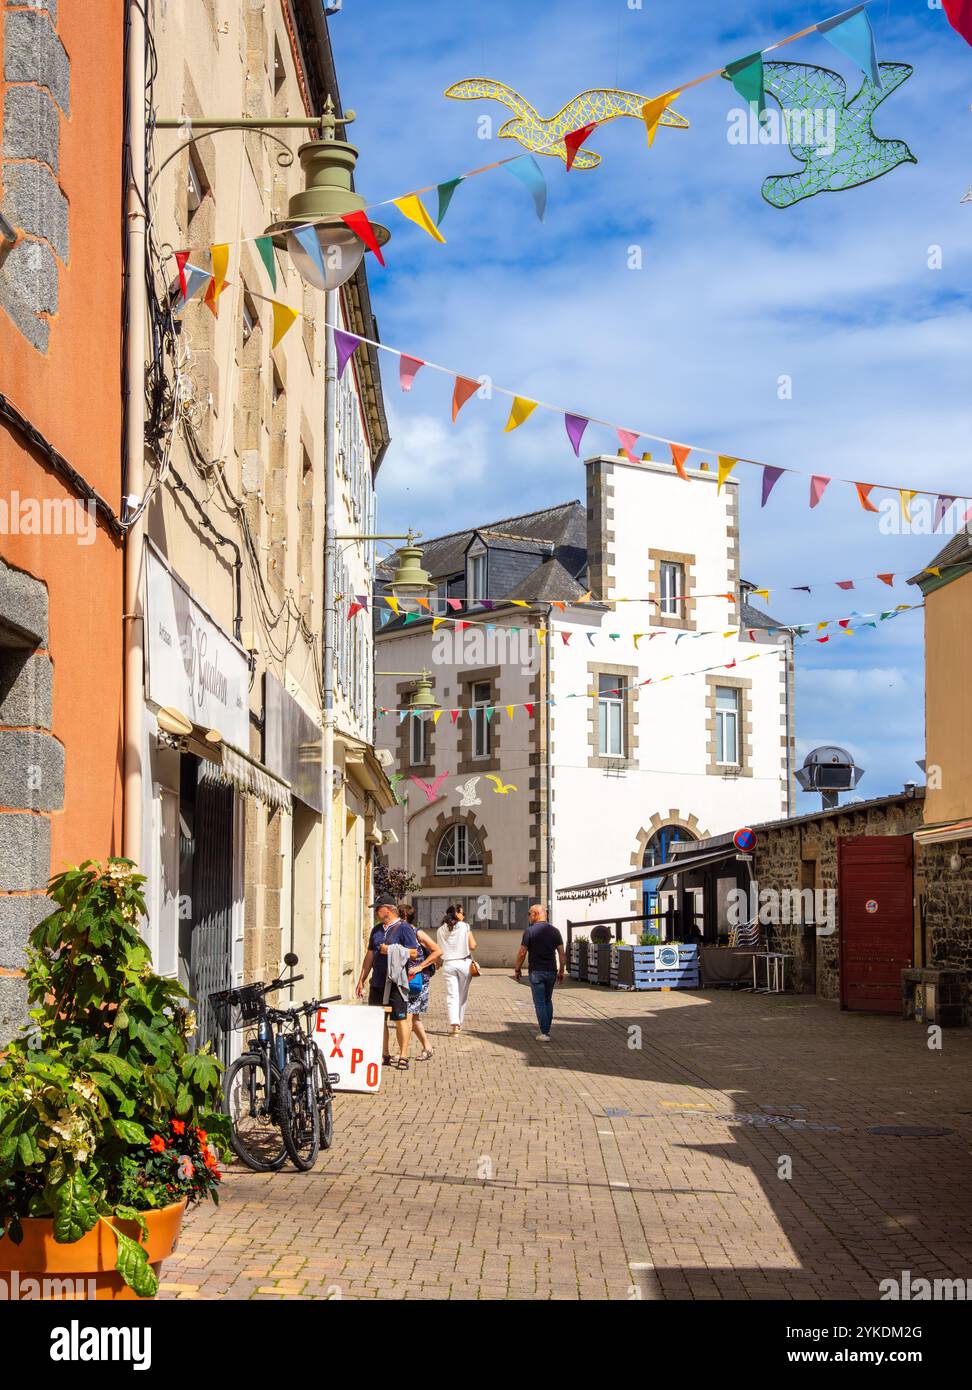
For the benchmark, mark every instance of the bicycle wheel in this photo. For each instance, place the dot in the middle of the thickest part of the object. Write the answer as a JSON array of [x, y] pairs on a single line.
[[325, 1103], [300, 1120], [254, 1135]]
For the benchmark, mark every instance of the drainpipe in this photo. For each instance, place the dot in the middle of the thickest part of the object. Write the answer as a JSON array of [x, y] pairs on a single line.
[[549, 904], [330, 580], [135, 433]]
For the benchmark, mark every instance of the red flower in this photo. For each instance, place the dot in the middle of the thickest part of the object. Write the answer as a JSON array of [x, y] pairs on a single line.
[[210, 1159], [178, 1126], [202, 1136], [158, 1144]]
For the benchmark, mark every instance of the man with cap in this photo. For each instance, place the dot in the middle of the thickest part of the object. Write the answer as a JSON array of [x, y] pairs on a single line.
[[389, 931]]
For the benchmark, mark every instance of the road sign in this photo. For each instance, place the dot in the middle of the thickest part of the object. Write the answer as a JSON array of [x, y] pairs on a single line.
[[745, 840]]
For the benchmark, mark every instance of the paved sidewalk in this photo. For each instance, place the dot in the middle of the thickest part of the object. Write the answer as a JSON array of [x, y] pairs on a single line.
[[590, 1167]]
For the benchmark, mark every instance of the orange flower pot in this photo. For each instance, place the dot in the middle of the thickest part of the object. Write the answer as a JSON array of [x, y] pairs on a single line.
[[91, 1259]]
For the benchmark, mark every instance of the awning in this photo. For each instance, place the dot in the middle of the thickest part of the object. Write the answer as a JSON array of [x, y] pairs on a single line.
[[685, 863], [943, 834], [239, 770]]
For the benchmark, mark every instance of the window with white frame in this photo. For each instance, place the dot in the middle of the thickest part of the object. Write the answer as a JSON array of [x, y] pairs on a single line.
[[476, 576], [419, 741], [672, 589], [610, 716], [481, 741], [458, 852], [439, 605], [727, 725]]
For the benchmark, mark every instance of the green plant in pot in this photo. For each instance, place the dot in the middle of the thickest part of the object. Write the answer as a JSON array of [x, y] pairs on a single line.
[[648, 938], [109, 1122]]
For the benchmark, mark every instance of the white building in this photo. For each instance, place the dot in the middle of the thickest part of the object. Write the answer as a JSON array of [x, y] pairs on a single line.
[[617, 741]]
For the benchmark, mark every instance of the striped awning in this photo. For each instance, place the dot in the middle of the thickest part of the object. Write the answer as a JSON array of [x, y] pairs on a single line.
[[240, 770]]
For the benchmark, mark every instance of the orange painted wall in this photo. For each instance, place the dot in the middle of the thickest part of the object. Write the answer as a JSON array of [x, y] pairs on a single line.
[[948, 702], [73, 395]]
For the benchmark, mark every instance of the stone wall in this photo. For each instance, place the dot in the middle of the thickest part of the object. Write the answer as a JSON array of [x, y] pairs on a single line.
[[946, 898], [37, 92], [803, 853], [31, 780]]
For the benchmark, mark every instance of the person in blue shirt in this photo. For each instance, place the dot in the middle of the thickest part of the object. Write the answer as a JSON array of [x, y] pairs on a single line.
[[390, 931], [545, 947]]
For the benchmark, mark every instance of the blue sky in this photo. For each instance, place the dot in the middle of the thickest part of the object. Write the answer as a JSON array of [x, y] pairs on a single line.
[[835, 292]]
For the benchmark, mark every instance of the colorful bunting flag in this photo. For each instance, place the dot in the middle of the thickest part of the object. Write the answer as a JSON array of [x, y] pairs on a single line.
[[520, 410], [509, 711], [864, 493], [575, 426], [195, 279], [746, 75], [771, 476], [212, 296], [726, 465], [453, 715], [565, 637], [265, 247], [529, 710], [905, 495], [283, 319], [408, 368], [445, 192], [887, 579], [942, 503], [851, 34], [527, 170], [959, 14], [181, 257], [652, 112], [627, 440], [455, 604], [362, 228], [575, 138], [463, 389], [392, 604], [219, 258], [345, 344], [844, 583], [412, 207], [680, 453], [818, 486]]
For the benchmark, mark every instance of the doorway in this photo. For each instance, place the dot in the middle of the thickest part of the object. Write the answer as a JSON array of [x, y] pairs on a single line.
[[876, 895]]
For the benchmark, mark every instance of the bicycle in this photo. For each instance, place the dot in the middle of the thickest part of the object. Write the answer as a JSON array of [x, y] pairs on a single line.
[[306, 1099]]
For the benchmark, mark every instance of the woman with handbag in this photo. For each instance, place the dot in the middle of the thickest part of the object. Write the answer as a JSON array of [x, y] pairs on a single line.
[[457, 943], [419, 981]]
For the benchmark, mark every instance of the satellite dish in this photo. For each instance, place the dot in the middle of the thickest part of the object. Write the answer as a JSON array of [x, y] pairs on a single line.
[[173, 721]]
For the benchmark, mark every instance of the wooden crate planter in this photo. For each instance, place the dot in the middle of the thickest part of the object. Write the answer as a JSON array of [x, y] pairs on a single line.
[[573, 960], [637, 968], [604, 956], [583, 949]]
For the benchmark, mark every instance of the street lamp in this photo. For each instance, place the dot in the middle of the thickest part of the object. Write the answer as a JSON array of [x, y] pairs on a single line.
[[410, 580], [422, 699], [328, 167]]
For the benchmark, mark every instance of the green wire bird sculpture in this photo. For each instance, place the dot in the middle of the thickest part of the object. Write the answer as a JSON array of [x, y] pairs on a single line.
[[850, 153]]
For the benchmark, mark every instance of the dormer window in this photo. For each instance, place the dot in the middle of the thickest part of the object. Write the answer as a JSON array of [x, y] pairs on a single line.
[[476, 575]]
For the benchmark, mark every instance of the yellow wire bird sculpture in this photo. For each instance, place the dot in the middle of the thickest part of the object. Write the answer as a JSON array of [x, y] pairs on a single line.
[[498, 786], [541, 135]]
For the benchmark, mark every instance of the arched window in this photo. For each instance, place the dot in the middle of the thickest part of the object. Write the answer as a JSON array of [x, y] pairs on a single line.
[[658, 850], [458, 851]]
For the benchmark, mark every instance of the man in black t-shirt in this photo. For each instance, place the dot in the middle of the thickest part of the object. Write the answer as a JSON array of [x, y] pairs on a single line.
[[545, 947]]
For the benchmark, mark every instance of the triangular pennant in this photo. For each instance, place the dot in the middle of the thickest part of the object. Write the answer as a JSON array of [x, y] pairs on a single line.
[[355, 607], [529, 710], [905, 495], [437, 622], [942, 505], [445, 192], [488, 713], [864, 495], [726, 465], [575, 138], [181, 257], [345, 345], [844, 583], [559, 604], [219, 259], [436, 716], [305, 252], [933, 570], [801, 588], [412, 207], [680, 453], [520, 410], [652, 112], [818, 486], [392, 604], [851, 34], [362, 228], [746, 75], [771, 476], [463, 389], [575, 426], [265, 248], [195, 279], [886, 579], [410, 618], [762, 593], [627, 439], [959, 14], [527, 170], [541, 635], [509, 711], [423, 603], [455, 604], [212, 296], [283, 318], [565, 637], [408, 368], [453, 715]]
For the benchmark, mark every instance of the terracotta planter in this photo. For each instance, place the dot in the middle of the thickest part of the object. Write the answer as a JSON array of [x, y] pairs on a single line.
[[91, 1259]]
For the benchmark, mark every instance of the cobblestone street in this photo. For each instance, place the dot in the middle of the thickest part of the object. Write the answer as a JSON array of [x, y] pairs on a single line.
[[586, 1168]]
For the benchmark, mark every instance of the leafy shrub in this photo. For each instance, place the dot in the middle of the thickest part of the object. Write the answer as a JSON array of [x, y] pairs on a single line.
[[105, 1111]]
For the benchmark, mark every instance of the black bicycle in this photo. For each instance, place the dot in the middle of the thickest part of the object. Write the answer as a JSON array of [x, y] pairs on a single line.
[[253, 1094], [306, 1098]]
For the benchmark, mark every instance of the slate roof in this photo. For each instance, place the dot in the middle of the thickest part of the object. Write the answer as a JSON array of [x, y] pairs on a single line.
[[958, 551]]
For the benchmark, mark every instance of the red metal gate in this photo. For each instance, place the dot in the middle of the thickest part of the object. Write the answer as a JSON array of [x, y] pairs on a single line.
[[876, 892]]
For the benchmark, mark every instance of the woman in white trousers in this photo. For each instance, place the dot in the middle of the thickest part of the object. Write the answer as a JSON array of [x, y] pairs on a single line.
[[457, 943]]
